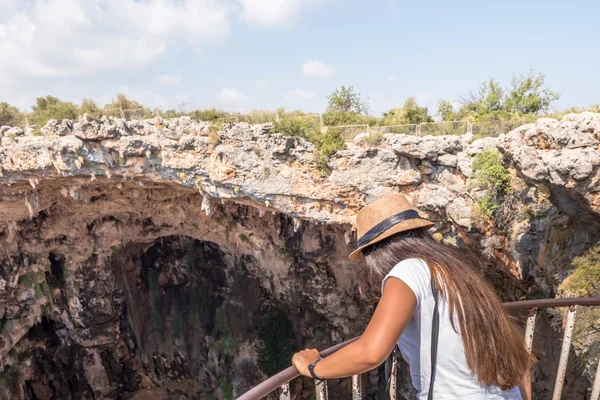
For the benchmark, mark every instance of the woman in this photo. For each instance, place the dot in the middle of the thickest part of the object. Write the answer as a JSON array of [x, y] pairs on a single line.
[[481, 354]]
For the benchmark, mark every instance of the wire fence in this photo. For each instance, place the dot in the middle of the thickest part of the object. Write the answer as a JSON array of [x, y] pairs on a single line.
[[350, 132], [407, 129], [219, 114]]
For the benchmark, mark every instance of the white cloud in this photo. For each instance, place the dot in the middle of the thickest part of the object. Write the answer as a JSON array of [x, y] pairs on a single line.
[[299, 95], [168, 79], [60, 38], [393, 78], [316, 69], [274, 12], [230, 95]]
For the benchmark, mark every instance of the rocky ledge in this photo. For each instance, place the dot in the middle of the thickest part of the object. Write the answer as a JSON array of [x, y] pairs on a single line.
[[163, 258]]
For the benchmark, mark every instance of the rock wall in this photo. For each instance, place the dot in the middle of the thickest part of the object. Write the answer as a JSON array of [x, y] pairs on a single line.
[[160, 259]]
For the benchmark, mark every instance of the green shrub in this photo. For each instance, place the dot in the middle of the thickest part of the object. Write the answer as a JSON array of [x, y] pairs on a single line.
[[210, 115], [489, 174], [49, 107], [584, 279], [297, 126], [374, 139], [259, 116], [10, 115], [326, 143]]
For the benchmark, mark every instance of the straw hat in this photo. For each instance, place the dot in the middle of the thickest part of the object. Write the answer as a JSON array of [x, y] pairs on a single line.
[[383, 218]]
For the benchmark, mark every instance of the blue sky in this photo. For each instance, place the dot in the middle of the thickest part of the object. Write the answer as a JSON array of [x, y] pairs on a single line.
[[247, 54]]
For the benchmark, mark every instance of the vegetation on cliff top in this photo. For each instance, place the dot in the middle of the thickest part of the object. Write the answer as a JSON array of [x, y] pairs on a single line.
[[523, 100]]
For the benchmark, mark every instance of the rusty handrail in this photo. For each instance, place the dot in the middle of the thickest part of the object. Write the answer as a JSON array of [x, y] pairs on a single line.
[[285, 376], [552, 303], [273, 383]]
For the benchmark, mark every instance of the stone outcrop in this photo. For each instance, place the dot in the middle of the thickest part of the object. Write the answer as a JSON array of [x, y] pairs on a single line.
[[162, 258]]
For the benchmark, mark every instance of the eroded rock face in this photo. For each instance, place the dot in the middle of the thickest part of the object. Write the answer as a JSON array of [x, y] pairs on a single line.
[[145, 259]]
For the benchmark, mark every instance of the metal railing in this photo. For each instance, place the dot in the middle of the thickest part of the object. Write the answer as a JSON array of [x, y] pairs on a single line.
[[280, 382], [349, 132]]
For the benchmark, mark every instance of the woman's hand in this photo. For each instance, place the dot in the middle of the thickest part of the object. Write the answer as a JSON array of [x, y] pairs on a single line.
[[301, 359]]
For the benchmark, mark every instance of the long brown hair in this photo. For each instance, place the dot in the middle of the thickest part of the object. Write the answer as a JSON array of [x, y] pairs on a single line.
[[494, 348]]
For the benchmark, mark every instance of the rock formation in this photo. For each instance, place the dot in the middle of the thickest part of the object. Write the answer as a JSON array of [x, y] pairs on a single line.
[[161, 259]]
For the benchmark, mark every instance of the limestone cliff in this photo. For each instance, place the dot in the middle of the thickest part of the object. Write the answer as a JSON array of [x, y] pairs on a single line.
[[162, 258]]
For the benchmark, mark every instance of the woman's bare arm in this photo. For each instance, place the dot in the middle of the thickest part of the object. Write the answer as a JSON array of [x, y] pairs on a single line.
[[393, 312], [525, 386]]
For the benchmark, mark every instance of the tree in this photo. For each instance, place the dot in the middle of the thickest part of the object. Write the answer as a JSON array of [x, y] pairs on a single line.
[[415, 114], [445, 110], [50, 107], [409, 113], [90, 108], [10, 115], [123, 107], [346, 100], [528, 95]]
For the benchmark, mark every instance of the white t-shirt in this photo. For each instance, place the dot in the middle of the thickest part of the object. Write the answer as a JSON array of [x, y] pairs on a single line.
[[453, 379]]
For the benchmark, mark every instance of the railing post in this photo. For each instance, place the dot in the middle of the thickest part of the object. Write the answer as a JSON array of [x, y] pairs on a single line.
[[285, 392], [564, 354], [357, 387], [321, 388], [530, 329], [596, 387]]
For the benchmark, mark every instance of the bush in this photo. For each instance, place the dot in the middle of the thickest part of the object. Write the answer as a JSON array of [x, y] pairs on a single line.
[[326, 143], [10, 115], [258, 116], [210, 115], [297, 126], [584, 279], [374, 139], [168, 114], [496, 123], [490, 175], [49, 107]]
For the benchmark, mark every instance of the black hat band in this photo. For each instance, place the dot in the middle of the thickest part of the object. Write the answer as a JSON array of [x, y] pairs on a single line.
[[387, 224]]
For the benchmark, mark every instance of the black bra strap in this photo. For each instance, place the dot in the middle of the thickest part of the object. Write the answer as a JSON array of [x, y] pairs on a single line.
[[435, 330]]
